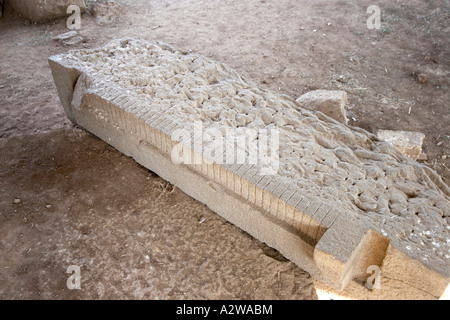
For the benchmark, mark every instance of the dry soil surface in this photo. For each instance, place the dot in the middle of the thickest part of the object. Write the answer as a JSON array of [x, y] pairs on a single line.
[[67, 198]]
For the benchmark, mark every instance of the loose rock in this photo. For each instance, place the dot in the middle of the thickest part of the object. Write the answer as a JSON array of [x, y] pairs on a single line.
[[69, 38], [331, 103], [408, 143], [422, 77]]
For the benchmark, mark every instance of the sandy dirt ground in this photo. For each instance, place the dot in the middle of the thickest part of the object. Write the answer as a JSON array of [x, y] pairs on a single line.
[[67, 198]]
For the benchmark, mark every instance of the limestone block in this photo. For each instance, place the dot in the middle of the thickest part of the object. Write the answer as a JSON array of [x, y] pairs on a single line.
[[45, 10], [336, 201], [407, 142], [332, 103]]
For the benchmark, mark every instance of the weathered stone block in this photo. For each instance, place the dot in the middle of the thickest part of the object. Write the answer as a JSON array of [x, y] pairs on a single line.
[[407, 142], [45, 10], [338, 201], [332, 103]]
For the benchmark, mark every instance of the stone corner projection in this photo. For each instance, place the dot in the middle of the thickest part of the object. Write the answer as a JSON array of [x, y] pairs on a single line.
[[335, 200]]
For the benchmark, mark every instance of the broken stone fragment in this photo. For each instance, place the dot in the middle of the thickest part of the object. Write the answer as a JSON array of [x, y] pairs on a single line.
[[45, 10], [408, 143], [65, 36], [69, 38], [73, 41], [331, 103]]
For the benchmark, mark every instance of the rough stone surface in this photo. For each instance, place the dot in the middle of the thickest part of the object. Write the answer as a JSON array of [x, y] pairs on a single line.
[[331, 103], [341, 200], [408, 143], [45, 10]]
